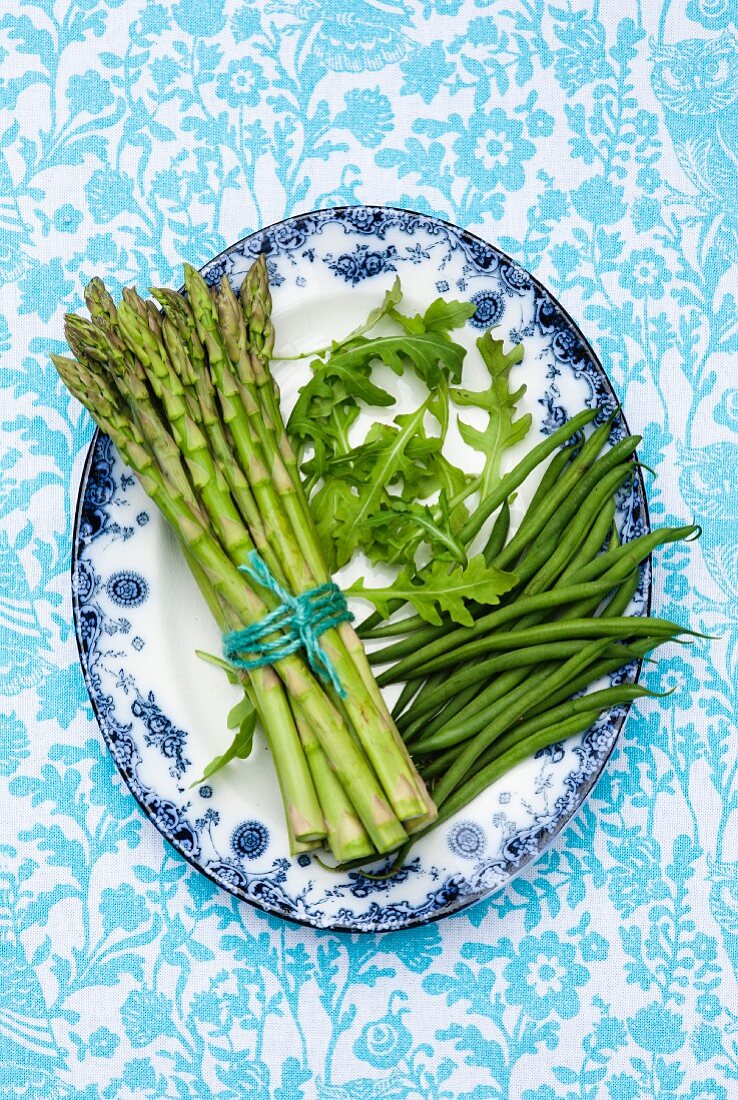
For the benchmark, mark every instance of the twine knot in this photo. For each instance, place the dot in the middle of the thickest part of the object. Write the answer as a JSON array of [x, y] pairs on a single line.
[[296, 624]]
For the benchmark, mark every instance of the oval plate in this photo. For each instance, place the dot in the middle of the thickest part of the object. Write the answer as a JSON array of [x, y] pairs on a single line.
[[139, 616]]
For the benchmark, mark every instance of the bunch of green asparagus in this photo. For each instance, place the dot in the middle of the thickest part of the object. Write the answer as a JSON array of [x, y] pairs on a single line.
[[182, 385]]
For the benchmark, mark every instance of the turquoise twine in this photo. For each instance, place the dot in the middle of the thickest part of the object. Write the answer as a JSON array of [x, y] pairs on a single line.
[[298, 623]]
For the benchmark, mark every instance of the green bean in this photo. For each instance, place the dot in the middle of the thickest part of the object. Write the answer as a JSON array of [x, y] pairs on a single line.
[[614, 538], [593, 543], [546, 559], [634, 551], [523, 750], [498, 534], [497, 697], [638, 651], [408, 724], [582, 718], [437, 766], [544, 601], [370, 623], [494, 701], [578, 530], [408, 625], [568, 496], [583, 555], [534, 557], [556, 467], [407, 720], [560, 630], [422, 720], [416, 718], [473, 675], [523, 704], [422, 723], [409, 690], [475, 687], [590, 705], [518, 474], [490, 693], [616, 606], [484, 778], [550, 479], [497, 694], [620, 601], [582, 461]]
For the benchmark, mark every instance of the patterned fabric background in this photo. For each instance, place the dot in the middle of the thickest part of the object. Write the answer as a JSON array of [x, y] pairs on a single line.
[[596, 142]]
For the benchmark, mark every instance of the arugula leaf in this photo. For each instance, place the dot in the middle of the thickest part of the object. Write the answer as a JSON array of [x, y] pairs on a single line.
[[385, 469], [440, 588], [358, 464], [399, 528], [355, 507], [396, 492], [392, 298], [332, 508], [326, 408], [334, 386], [433, 355], [328, 404], [440, 317], [502, 430], [242, 718], [436, 475], [356, 489]]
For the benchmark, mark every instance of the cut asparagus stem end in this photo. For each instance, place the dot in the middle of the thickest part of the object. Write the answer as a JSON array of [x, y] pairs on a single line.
[[302, 828], [348, 839]]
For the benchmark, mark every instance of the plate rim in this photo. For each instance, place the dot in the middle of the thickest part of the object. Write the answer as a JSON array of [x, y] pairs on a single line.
[[619, 723]]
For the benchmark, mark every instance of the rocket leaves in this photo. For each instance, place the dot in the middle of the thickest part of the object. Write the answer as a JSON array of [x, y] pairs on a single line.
[[368, 493], [329, 404], [440, 588], [440, 317], [432, 355], [500, 404], [393, 494], [242, 718]]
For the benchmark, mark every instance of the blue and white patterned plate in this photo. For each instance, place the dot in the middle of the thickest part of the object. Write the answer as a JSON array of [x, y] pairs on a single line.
[[139, 617]]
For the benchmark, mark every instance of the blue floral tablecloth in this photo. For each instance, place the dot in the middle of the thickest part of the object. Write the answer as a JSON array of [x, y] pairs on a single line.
[[598, 144]]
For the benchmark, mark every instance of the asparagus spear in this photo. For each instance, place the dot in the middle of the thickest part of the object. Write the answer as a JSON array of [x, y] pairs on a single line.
[[188, 358]]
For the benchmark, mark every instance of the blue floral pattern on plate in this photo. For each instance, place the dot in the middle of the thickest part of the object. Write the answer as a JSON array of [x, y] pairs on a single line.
[[125, 562]]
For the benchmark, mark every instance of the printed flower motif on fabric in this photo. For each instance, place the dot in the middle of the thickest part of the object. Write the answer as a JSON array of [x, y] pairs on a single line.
[[202, 996]]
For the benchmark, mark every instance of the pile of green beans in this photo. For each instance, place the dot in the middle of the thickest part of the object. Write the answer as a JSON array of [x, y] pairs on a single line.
[[477, 700]]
